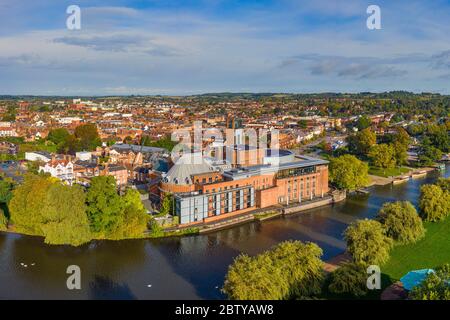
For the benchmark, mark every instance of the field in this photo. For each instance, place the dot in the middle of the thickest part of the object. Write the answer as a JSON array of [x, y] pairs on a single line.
[[432, 251]]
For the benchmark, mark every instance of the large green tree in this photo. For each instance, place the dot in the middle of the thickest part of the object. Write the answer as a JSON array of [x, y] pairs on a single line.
[[88, 136], [44, 206], [64, 216], [367, 242], [382, 156], [25, 207], [401, 222], [134, 219], [349, 280], [104, 206], [361, 142], [348, 173], [291, 269], [434, 203]]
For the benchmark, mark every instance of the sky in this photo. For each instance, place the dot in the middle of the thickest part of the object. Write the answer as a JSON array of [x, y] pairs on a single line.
[[182, 47]]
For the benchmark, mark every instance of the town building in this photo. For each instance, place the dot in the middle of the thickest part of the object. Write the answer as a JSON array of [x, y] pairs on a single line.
[[204, 193]]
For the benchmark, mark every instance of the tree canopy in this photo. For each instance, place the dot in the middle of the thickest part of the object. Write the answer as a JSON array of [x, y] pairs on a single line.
[[435, 287], [361, 142], [382, 155], [401, 222], [367, 242], [291, 269], [103, 205], [350, 279], [434, 203], [348, 172], [45, 207]]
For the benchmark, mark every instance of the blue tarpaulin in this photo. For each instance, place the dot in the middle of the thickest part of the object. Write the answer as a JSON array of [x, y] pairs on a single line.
[[414, 278]]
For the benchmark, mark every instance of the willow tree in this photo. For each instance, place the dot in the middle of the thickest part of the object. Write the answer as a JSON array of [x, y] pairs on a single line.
[[64, 214], [25, 207], [401, 222], [291, 269], [350, 279], [367, 242], [434, 203]]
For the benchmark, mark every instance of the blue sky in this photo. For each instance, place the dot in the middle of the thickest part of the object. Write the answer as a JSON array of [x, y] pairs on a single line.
[[197, 46]]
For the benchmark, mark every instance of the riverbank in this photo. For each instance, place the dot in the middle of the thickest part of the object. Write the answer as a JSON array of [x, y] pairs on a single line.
[[413, 173]]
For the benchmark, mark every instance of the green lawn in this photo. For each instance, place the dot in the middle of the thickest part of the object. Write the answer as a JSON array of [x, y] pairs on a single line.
[[432, 251], [388, 172]]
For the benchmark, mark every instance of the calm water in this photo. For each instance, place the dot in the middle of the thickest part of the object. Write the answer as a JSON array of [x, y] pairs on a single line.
[[177, 268]]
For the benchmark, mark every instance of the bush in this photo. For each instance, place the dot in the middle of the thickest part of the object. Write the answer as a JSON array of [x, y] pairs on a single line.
[[401, 222], [435, 287], [367, 242], [350, 279], [434, 203]]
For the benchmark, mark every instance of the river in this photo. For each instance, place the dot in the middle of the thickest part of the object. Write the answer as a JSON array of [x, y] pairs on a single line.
[[176, 268]]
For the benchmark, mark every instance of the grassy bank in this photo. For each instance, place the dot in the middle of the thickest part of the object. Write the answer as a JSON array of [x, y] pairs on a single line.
[[433, 250], [386, 173]]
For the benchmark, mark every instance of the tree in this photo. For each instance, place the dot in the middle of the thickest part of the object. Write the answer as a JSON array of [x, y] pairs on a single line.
[[3, 221], [382, 156], [104, 205], [291, 269], [439, 137], [166, 205], [444, 184], [401, 222], [303, 124], [25, 207], [428, 154], [349, 173], [435, 287], [88, 136], [6, 188], [367, 242], [64, 216], [45, 207], [361, 142], [402, 137], [434, 203], [363, 122], [350, 279], [400, 153], [58, 136], [134, 218]]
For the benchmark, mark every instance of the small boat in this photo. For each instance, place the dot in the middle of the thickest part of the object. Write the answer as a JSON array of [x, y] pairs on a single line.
[[440, 166], [418, 174], [399, 180]]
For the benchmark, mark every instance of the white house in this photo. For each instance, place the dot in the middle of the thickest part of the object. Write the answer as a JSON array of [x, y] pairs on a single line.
[[61, 169]]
